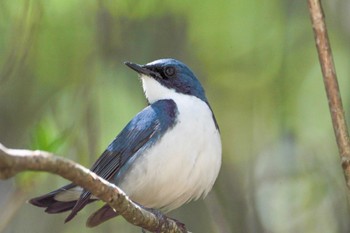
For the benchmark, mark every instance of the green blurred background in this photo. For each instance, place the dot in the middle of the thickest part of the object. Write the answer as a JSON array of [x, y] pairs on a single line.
[[64, 88]]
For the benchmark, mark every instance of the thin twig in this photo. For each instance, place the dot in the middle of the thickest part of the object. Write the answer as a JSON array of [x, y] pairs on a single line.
[[13, 161], [331, 85]]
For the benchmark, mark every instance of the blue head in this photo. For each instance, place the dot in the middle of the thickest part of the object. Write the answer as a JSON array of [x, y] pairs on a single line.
[[162, 77]]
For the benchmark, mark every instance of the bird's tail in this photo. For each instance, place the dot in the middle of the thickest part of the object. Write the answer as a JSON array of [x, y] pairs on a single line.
[[51, 204], [74, 198], [101, 215], [60, 200]]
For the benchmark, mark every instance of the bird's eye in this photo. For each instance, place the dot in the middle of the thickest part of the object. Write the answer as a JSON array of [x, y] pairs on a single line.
[[169, 71]]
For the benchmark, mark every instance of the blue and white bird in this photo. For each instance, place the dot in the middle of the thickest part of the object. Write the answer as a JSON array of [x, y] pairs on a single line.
[[166, 156]]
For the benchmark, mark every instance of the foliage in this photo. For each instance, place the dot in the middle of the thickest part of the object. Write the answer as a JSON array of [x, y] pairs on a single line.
[[63, 88]]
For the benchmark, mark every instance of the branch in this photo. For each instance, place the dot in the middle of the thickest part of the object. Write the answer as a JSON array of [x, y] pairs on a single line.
[[331, 85], [13, 161]]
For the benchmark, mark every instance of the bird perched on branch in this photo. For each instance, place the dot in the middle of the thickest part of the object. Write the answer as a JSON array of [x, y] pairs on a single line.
[[167, 155]]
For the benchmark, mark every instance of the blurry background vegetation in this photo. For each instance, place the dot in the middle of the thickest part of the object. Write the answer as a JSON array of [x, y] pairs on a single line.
[[64, 88]]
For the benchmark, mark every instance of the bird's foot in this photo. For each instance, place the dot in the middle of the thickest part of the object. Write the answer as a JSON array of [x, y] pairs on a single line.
[[163, 220]]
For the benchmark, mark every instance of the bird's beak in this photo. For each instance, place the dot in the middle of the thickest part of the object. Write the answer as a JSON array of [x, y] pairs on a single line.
[[139, 68]]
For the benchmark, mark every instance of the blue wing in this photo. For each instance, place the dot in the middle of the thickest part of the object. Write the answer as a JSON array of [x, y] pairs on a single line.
[[140, 133]]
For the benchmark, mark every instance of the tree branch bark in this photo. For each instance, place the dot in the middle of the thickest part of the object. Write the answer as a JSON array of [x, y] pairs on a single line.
[[331, 85], [13, 161]]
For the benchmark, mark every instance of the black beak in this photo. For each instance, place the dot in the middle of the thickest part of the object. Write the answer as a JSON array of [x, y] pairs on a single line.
[[139, 68]]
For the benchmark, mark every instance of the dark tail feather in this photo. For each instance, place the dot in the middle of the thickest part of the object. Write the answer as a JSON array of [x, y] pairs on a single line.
[[59, 207], [53, 206], [101, 215], [84, 199]]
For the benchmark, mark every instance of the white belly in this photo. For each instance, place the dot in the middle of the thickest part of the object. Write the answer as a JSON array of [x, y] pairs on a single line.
[[183, 165]]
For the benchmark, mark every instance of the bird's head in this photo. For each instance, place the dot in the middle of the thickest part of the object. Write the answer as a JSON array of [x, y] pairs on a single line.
[[164, 78]]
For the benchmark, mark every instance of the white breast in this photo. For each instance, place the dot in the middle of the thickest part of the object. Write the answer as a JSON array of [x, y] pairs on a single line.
[[184, 164]]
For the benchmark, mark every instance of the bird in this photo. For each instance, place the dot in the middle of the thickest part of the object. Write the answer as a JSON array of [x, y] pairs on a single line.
[[169, 154]]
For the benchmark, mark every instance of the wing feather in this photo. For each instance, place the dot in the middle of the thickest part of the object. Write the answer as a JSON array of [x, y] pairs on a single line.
[[140, 133]]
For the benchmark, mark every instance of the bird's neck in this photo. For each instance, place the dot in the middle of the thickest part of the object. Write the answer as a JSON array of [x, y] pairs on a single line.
[[155, 91]]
